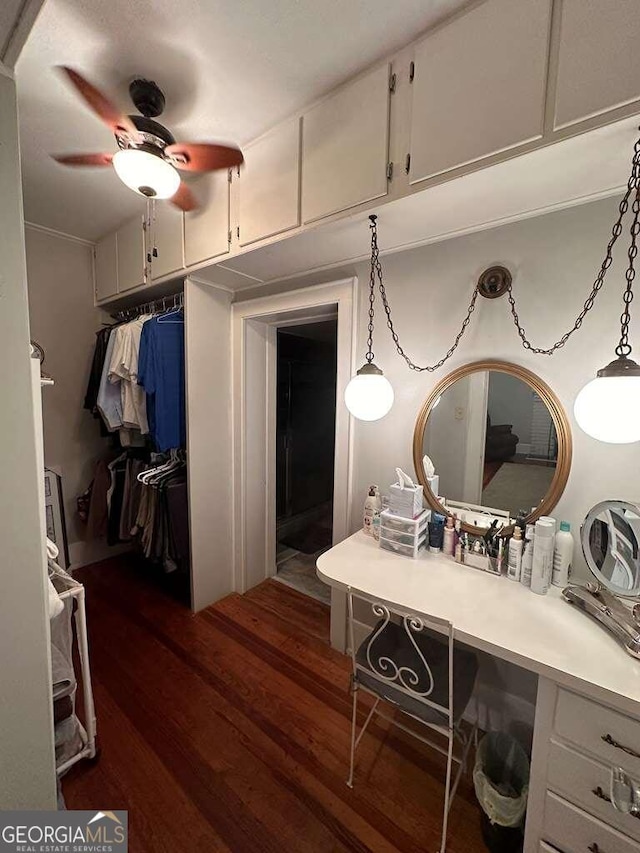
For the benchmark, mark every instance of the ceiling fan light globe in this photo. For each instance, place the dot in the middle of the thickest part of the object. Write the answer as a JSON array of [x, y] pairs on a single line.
[[145, 173]]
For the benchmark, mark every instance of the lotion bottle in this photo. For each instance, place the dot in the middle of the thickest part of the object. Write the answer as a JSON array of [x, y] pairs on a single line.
[[527, 556], [372, 504], [448, 545], [514, 561], [562, 555], [542, 567]]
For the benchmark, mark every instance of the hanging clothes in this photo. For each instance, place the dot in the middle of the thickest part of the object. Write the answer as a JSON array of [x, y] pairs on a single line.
[[109, 399], [95, 373], [161, 373], [123, 369]]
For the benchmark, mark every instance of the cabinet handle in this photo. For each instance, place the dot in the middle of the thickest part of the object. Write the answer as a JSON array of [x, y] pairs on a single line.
[[614, 743], [600, 794]]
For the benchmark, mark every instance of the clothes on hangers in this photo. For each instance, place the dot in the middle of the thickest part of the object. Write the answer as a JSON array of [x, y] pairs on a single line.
[[136, 382], [161, 373], [145, 502], [95, 375], [123, 370], [109, 398]]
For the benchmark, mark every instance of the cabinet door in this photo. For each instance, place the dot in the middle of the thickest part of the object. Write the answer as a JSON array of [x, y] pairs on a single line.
[[106, 268], [131, 257], [165, 233], [345, 147], [206, 231], [270, 184], [479, 85], [599, 60]]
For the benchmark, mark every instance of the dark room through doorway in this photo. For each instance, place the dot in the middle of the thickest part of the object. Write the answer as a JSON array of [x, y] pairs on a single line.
[[305, 447]]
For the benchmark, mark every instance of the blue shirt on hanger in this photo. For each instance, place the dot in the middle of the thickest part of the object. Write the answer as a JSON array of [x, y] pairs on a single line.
[[161, 374]]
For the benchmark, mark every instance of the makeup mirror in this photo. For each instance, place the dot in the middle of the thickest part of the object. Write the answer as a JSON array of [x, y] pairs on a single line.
[[610, 537], [500, 443]]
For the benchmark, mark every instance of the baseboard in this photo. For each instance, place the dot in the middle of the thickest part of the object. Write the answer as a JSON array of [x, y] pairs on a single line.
[[93, 551]]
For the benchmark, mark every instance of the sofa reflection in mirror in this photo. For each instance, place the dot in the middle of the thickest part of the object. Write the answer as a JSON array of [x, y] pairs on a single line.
[[499, 440]]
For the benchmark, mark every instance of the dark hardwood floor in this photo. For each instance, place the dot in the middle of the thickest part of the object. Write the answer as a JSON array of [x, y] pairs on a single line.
[[229, 731]]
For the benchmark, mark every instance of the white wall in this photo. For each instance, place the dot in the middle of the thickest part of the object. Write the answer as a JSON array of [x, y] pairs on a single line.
[[27, 772], [208, 378], [554, 260], [64, 320]]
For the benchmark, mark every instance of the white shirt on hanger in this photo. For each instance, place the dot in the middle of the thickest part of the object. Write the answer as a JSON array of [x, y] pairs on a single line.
[[123, 368]]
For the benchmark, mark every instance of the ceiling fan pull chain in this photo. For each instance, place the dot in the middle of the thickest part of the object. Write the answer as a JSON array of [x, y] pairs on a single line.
[[153, 214], [147, 229]]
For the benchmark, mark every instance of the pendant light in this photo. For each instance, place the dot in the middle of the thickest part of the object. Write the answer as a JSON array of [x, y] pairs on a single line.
[[608, 407], [369, 395]]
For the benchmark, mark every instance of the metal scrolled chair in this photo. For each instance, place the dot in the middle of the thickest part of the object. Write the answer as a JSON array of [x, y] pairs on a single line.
[[409, 659]]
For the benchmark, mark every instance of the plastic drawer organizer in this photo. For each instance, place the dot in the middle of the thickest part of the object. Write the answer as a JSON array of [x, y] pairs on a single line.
[[405, 536]]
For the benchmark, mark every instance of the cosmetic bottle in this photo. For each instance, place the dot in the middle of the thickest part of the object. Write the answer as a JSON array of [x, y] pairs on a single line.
[[448, 542], [542, 567], [436, 533], [372, 504], [514, 559], [562, 555], [527, 556]]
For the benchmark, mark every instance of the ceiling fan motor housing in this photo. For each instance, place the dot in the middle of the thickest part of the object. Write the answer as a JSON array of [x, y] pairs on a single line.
[[147, 97]]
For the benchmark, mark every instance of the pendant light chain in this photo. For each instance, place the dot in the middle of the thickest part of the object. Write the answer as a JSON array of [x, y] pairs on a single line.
[[624, 347], [376, 268], [633, 185], [372, 296]]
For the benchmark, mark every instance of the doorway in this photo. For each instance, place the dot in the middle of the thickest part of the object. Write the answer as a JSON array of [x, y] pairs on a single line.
[[305, 450]]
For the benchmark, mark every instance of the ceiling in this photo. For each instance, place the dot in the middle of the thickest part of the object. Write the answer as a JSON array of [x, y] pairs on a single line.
[[230, 69]]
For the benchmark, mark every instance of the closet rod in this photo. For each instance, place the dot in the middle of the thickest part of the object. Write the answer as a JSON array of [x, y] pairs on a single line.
[[164, 303]]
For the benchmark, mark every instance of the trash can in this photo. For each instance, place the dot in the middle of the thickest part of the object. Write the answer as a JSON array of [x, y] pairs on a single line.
[[501, 782]]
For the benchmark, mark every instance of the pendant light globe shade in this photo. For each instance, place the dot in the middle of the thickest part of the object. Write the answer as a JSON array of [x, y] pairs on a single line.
[[369, 395], [608, 407], [145, 173]]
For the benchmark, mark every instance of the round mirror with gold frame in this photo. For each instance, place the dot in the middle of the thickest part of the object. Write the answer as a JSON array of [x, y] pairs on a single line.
[[499, 441]]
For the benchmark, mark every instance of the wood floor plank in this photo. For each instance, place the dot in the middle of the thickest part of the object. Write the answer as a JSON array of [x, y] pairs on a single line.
[[242, 715]]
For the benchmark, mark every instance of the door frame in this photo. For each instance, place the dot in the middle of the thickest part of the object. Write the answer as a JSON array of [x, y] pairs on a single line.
[[254, 353]]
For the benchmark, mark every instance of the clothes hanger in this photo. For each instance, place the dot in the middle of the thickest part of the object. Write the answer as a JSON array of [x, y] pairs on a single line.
[[172, 312]]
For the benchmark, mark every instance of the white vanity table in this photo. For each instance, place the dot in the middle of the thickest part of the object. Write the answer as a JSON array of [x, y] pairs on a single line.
[[588, 686]]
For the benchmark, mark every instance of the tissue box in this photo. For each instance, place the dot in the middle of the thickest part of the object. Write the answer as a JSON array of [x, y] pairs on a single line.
[[405, 501]]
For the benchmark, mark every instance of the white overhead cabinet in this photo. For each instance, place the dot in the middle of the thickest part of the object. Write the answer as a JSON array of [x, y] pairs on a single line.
[[479, 85], [131, 254], [106, 268], [165, 235], [206, 230], [345, 147], [599, 58], [270, 184]]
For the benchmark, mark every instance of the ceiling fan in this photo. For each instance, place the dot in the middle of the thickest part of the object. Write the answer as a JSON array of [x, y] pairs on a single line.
[[148, 157]]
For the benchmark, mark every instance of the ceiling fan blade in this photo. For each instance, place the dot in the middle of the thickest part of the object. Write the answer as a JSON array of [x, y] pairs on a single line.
[[202, 156], [83, 159], [184, 199], [119, 123]]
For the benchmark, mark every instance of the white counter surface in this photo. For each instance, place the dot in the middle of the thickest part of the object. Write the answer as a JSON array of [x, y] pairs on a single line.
[[541, 633]]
